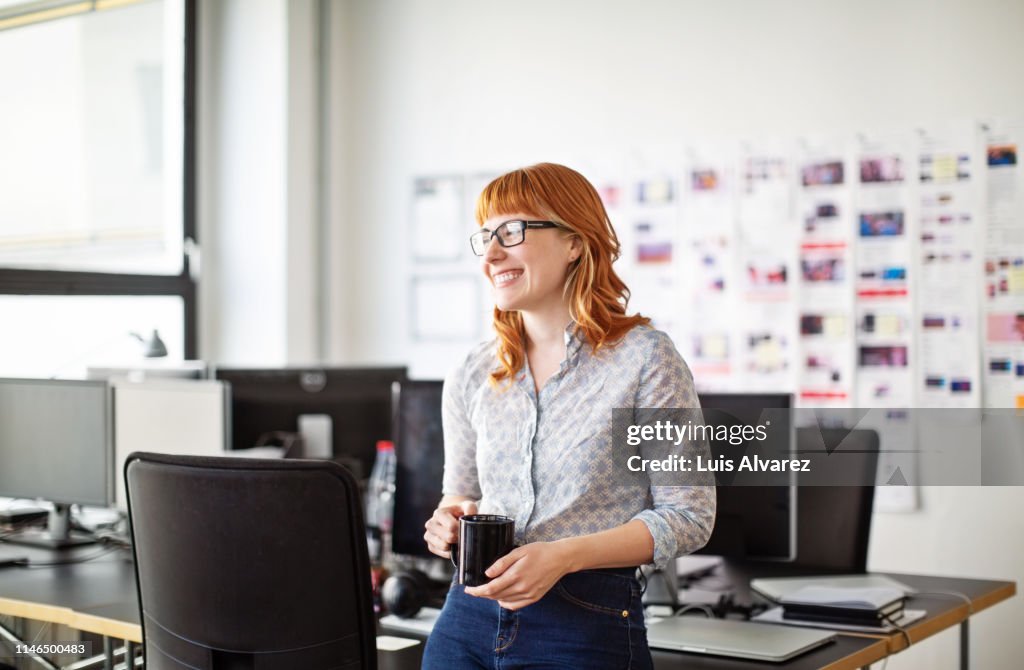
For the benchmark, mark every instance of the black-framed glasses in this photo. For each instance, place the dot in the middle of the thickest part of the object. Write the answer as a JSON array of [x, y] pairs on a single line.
[[509, 234]]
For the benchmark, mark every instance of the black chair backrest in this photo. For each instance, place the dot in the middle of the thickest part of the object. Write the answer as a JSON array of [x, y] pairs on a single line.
[[245, 563]]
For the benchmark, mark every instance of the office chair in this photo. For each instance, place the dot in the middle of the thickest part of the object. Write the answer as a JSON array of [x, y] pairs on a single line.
[[254, 564]]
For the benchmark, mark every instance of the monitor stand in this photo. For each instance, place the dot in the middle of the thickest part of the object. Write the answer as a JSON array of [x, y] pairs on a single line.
[[58, 533], [662, 585]]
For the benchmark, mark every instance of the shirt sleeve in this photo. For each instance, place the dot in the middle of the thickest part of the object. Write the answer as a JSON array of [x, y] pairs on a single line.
[[682, 517], [460, 472]]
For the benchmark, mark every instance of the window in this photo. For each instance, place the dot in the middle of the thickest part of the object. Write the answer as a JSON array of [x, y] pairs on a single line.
[[97, 170]]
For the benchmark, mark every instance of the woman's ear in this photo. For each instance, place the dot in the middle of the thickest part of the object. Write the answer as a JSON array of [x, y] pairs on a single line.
[[575, 248]]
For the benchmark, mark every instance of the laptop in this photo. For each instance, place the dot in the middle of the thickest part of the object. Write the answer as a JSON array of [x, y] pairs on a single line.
[[739, 639]]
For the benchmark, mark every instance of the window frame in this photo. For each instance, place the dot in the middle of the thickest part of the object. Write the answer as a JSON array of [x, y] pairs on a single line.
[[18, 281]]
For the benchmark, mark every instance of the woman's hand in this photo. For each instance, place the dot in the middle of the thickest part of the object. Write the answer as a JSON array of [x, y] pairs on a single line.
[[443, 527], [524, 575]]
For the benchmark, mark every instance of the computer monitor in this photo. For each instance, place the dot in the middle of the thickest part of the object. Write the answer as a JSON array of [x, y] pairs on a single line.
[[834, 522], [753, 522], [55, 445], [168, 416], [419, 452], [352, 404]]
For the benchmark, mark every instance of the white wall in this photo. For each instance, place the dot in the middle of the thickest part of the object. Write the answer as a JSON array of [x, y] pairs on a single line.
[[465, 85], [256, 183]]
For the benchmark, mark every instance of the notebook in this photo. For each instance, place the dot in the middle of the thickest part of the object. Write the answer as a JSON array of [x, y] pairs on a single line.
[[777, 588], [738, 639], [843, 604]]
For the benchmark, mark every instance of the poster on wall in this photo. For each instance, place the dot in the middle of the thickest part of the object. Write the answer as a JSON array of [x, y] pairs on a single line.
[[648, 216], [883, 274], [1003, 357], [886, 232], [713, 343], [438, 222], [949, 266], [826, 223], [767, 243]]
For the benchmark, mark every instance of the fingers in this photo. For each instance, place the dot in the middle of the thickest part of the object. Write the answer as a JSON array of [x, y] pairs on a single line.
[[503, 563], [502, 587], [436, 546], [446, 530], [442, 529], [505, 582]]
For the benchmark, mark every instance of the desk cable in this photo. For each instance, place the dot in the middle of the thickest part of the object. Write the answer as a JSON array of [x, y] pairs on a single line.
[[697, 606], [723, 608], [932, 594], [891, 620]]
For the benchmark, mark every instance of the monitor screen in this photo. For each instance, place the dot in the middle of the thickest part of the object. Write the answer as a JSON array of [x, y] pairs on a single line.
[[55, 441], [352, 404], [419, 452], [168, 416], [835, 521], [752, 522]]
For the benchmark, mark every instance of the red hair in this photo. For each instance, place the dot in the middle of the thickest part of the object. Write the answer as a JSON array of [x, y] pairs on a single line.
[[597, 296]]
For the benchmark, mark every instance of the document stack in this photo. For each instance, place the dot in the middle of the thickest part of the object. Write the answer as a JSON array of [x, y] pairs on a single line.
[[874, 606]]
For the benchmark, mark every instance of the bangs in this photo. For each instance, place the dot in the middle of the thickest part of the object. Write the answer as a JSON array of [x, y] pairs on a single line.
[[510, 193]]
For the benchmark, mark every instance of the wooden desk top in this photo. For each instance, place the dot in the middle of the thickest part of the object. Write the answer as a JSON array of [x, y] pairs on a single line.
[[944, 611], [99, 596], [117, 620]]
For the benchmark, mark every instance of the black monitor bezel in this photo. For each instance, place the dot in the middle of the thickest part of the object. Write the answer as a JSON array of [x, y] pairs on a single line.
[[289, 379], [777, 401], [418, 549]]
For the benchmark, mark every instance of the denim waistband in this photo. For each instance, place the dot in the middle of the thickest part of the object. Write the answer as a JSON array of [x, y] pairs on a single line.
[[621, 572]]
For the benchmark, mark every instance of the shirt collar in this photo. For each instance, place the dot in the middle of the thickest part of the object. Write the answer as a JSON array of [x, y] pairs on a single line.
[[573, 340]]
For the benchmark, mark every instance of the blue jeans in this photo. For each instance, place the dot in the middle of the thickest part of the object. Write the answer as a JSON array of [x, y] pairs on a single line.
[[591, 619]]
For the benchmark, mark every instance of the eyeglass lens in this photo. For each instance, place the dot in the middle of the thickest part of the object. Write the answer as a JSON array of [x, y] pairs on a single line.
[[509, 234]]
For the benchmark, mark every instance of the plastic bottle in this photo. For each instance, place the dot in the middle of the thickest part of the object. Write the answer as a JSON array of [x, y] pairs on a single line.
[[380, 503], [380, 506]]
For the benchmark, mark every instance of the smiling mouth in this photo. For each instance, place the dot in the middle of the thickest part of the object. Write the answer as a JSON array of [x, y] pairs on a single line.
[[506, 278]]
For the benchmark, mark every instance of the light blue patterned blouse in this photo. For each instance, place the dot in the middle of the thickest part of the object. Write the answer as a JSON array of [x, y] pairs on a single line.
[[548, 462]]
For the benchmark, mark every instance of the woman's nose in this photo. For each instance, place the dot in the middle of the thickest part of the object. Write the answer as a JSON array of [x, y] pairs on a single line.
[[493, 249]]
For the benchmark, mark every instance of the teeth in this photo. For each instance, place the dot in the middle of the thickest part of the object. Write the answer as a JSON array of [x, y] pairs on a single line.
[[506, 277]]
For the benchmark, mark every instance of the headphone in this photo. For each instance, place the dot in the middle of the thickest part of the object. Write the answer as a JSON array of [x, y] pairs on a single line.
[[406, 591]]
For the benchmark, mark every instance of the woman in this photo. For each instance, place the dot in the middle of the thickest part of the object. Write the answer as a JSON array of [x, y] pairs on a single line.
[[527, 433]]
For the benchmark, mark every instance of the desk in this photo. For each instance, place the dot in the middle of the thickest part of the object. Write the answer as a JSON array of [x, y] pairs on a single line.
[[946, 611], [99, 596], [96, 596], [859, 650]]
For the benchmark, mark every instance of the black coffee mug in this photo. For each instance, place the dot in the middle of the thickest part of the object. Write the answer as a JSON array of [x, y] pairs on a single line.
[[483, 539]]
